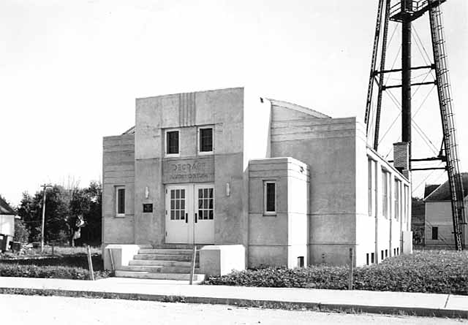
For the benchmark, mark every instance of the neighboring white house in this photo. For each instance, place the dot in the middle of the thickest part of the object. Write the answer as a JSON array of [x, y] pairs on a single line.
[[227, 167], [7, 222], [439, 224]]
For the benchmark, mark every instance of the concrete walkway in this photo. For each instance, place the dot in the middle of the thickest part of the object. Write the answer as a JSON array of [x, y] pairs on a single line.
[[441, 305]]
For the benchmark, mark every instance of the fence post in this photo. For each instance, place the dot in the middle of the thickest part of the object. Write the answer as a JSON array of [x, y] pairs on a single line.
[[350, 284], [192, 266], [90, 264]]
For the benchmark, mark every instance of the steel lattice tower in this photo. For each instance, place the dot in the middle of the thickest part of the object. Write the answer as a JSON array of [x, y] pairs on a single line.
[[406, 12]]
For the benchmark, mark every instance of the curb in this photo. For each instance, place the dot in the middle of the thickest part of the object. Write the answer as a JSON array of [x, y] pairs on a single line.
[[272, 304]]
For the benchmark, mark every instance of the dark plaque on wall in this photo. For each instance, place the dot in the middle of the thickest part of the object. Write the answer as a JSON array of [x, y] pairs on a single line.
[[148, 207]]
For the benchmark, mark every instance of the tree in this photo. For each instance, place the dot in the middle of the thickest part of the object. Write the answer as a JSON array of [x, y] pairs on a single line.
[[64, 208], [21, 232]]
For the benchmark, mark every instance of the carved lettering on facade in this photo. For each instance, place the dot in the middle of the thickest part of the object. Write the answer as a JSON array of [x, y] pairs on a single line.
[[188, 170]]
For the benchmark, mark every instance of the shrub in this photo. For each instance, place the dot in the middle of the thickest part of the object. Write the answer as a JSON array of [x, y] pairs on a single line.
[[430, 271], [72, 266]]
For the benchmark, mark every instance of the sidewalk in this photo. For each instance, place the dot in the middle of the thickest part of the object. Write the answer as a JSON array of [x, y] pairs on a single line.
[[441, 305]]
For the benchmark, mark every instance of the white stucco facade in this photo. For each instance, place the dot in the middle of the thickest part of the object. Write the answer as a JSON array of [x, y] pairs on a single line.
[[291, 185]]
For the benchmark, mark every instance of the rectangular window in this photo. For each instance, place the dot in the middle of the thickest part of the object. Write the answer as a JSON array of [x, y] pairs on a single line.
[[381, 255], [370, 207], [397, 199], [177, 207], [120, 201], [435, 233], [385, 193], [406, 203], [367, 259], [172, 142], [205, 141], [372, 258], [269, 190], [386, 253], [205, 204], [372, 188]]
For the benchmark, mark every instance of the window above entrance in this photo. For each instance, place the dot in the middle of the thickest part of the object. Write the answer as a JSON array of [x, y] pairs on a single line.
[[205, 140], [172, 142]]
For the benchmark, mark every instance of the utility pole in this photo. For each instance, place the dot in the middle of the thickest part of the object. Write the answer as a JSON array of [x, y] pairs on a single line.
[[43, 216]]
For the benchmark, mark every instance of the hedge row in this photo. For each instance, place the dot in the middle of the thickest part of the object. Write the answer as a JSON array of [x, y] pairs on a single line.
[[431, 272], [59, 267]]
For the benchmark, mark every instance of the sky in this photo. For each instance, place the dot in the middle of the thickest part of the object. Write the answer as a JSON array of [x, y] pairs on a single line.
[[70, 70]]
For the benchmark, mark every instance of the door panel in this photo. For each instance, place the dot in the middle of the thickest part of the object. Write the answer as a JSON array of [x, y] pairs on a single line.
[[204, 224], [177, 226], [190, 214]]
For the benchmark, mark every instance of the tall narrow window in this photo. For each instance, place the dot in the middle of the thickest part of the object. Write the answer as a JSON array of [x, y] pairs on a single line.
[[172, 142], [406, 203], [269, 190], [369, 187], [120, 201], [385, 193], [435, 233], [397, 199], [205, 140], [372, 188]]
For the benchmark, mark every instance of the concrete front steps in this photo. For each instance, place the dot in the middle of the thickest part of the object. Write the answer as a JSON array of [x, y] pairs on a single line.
[[166, 262]]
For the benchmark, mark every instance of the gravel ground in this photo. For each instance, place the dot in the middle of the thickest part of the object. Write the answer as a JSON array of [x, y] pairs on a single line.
[[18, 310]]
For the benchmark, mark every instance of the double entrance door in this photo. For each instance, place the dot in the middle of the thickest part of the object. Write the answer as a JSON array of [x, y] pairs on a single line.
[[190, 213]]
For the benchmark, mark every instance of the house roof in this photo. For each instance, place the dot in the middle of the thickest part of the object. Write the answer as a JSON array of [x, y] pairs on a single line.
[[429, 188], [442, 192], [5, 208]]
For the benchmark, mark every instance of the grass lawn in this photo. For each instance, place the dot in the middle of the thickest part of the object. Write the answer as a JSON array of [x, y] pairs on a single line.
[[65, 263], [423, 271]]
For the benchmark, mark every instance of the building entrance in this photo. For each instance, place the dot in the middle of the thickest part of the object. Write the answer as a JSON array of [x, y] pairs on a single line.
[[190, 214]]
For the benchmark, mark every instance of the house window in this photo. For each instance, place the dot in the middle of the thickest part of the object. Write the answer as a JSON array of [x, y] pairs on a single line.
[[269, 191], [205, 140], [120, 201], [172, 142], [435, 233]]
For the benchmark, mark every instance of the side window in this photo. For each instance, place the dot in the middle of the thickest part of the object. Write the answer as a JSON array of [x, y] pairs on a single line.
[[205, 140], [269, 197], [385, 193], [435, 233], [172, 142], [120, 201]]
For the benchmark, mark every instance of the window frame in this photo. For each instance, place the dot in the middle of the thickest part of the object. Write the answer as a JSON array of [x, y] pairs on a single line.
[[386, 194], [265, 198], [199, 139], [117, 201], [166, 143]]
